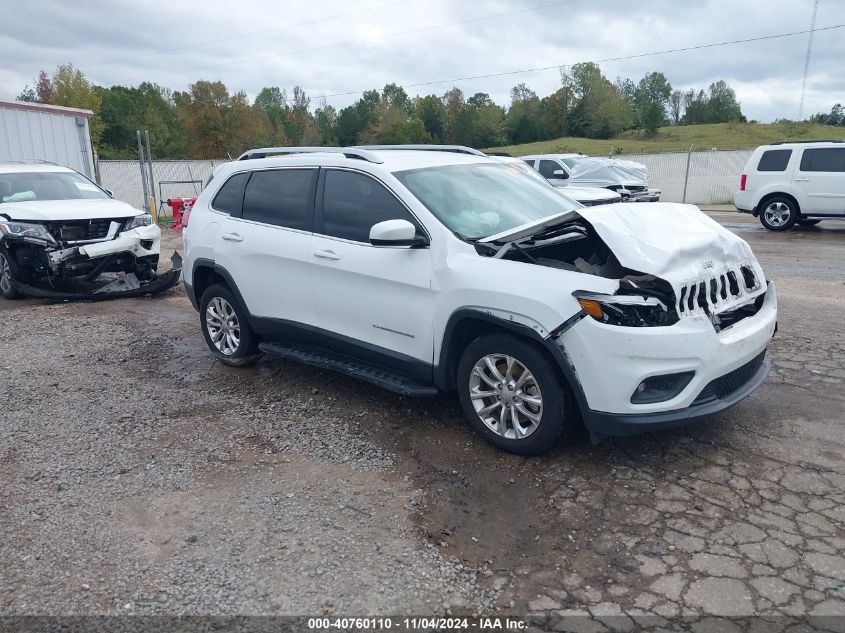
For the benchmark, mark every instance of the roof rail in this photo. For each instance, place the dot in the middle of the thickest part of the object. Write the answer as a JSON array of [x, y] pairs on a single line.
[[349, 152], [457, 149], [830, 140]]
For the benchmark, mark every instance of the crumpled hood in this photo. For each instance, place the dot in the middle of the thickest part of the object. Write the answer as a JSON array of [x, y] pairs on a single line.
[[676, 242], [53, 210]]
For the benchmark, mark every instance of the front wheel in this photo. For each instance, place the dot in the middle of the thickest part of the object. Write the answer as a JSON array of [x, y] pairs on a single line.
[[779, 214], [225, 328], [512, 394], [6, 276]]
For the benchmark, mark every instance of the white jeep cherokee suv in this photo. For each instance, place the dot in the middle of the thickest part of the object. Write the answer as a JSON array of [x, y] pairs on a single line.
[[785, 183], [447, 270]]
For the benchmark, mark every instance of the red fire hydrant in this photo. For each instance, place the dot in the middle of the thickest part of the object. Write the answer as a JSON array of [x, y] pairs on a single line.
[[181, 208]]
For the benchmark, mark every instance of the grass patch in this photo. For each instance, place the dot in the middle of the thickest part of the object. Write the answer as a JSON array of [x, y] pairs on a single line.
[[679, 138]]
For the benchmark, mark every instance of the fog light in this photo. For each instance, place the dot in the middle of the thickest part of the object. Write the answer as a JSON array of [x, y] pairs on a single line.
[[661, 388]]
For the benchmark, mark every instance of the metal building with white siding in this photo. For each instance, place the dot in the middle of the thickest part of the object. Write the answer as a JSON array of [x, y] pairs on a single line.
[[53, 133]]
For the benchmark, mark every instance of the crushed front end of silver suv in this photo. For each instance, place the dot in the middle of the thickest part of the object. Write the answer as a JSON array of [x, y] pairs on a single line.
[[92, 259]]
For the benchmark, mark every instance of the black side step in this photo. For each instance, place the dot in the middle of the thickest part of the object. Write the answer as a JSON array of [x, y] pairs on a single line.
[[375, 374]]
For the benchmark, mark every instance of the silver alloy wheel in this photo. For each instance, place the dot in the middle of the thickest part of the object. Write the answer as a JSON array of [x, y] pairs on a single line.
[[777, 213], [5, 275], [223, 326], [506, 396]]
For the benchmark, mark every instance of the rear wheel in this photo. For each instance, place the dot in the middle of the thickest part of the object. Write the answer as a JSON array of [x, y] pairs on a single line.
[[512, 394], [7, 276], [779, 213], [225, 327]]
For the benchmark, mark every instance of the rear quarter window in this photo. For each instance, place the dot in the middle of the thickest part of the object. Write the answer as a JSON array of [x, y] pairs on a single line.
[[774, 160]]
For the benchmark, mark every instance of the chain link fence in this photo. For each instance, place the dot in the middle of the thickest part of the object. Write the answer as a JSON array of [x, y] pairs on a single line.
[[123, 178], [705, 177], [697, 177]]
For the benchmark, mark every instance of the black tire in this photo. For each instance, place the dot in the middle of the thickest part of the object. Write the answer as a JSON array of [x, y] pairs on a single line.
[[779, 213], [246, 350], [558, 413], [808, 222], [8, 272]]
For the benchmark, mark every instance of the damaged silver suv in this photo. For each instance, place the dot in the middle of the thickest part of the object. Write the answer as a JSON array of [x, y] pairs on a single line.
[[63, 237]]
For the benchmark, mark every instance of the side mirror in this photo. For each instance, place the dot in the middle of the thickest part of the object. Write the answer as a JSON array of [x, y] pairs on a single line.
[[396, 233], [559, 173]]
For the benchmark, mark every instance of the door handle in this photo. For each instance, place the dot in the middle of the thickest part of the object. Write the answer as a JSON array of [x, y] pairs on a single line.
[[326, 255], [801, 180], [232, 237]]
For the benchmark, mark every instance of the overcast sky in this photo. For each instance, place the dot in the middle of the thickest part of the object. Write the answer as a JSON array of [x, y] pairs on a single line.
[[337, 46]]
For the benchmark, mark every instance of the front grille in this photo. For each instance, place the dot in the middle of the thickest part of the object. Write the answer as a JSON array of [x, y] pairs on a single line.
[[717, 291], [724, 386], [80, 230]]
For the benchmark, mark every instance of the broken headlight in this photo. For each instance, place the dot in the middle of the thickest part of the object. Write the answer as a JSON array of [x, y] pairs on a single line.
[[626, 310], [144, 219], [10, 228]]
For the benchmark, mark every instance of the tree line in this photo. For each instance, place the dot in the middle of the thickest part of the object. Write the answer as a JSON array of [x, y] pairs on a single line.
[[209, 121]]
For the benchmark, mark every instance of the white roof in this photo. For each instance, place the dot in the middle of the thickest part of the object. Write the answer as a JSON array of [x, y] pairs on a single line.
[[20, 166], [792, 144]]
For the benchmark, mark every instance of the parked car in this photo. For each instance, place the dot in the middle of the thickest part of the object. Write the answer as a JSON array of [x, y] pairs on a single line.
[[429, 271], [785, 183], [626, 177], [63, 237], [588, 196]]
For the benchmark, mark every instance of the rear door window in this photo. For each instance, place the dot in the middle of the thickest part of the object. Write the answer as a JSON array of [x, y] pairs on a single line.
[[774, 160], [282, 197], [830, 159], [230, 198]]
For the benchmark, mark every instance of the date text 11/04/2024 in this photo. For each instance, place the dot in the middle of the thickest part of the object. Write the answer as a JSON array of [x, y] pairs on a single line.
[[416, 623]]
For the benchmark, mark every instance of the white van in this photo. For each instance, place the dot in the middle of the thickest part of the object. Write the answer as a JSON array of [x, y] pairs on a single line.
[[785, 183]]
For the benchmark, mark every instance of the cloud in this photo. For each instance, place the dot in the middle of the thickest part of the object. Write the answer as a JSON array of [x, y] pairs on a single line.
[[372, 42]]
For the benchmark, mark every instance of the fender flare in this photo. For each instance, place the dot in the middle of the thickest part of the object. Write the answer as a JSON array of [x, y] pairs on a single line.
[[230, 282], [443, 371]]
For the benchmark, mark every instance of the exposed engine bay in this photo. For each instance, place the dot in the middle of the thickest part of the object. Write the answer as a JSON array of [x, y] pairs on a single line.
[[726, 290]]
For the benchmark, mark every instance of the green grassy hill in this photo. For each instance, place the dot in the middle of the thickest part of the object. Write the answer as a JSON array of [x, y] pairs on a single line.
[[676, 139]]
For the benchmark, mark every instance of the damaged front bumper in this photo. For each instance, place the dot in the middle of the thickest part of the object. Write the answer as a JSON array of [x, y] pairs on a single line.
[[714, 369], [128, 286], [116, 264]]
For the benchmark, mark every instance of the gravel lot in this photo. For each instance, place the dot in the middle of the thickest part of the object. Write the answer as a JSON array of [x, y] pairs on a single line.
[[138, 476]]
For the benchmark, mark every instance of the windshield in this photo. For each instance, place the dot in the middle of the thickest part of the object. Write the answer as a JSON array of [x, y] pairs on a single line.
[[45, 185], [570, 162], [480, 200]]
